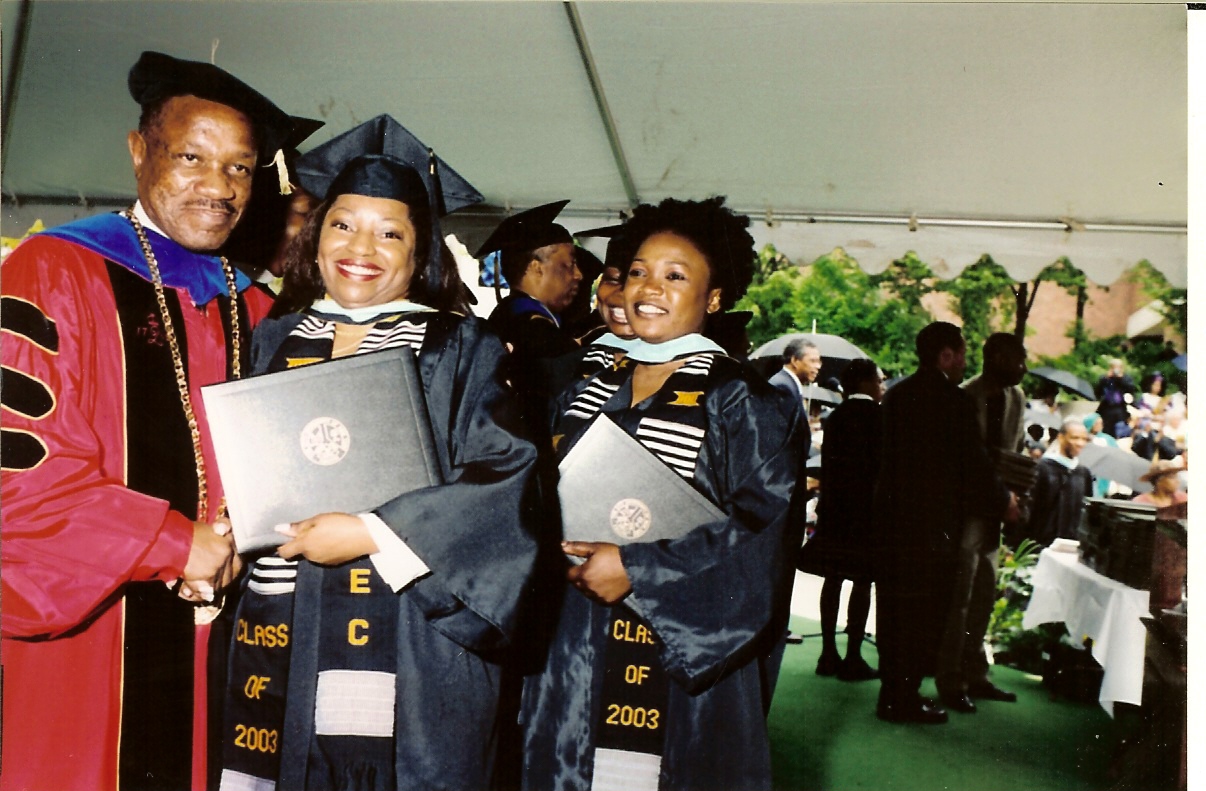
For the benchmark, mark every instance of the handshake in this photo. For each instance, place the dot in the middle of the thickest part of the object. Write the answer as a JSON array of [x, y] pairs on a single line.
[[213, 562]]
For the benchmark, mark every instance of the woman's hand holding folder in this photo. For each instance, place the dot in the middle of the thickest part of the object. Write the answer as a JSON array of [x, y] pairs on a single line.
[[601, 577], [327, 539]]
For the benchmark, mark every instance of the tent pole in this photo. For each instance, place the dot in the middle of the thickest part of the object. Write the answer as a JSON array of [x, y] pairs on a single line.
[[596, 86], [14, 76]]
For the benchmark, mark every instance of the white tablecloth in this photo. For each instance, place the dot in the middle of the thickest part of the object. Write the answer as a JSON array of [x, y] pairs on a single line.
[[1092, 605]]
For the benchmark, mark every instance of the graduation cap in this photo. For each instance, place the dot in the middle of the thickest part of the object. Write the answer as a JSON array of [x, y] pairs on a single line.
[[157, 76], [302, 129], [381, 159], [300, 132], [615, 245], [317, 169], [528, 230], [588, 264], [605, 232]]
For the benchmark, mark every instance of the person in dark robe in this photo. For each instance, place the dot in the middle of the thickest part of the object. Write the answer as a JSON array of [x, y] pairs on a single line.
[[1062, 485], [934, 474], [674, 694], [378, 637], [112, 324], [1115, 392], [581, 320], [537, 259], [840, 549], [1000, 407]]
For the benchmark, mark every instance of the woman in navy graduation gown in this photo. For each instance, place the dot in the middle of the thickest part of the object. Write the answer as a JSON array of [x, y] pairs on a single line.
[[375, 638], [675, 695]]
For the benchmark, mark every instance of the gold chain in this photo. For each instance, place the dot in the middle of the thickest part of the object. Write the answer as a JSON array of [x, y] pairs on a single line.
[[169, 330]]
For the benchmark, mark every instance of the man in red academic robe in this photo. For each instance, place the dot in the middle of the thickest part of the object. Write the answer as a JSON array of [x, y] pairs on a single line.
[[112, 324]]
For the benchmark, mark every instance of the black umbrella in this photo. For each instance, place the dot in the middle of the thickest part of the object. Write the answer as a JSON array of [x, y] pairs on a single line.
[[1115, 464], [820, 395], [1065, 380], [832, 347]]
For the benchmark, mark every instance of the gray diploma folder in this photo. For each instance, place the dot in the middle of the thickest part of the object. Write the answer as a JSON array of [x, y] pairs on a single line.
[[612, 489], [341, 436]]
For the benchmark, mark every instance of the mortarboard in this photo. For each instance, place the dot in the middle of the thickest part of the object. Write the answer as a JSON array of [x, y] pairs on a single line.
[[614, 234], [528, 230], [382, 159], [301, 130], [317, 168], [605, 232], [588, 264], [380, 176], [157, 76]]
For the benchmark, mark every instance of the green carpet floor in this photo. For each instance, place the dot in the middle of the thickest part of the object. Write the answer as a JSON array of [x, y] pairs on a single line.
[[825, 736]]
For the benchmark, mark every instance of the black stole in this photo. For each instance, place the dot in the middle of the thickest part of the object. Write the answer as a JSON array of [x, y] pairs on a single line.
[[634, 688], [312, 340], [298, 619]]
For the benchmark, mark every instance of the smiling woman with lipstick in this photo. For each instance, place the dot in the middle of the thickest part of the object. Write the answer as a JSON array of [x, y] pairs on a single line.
[[375, 637], [616, 338], [675, 696]]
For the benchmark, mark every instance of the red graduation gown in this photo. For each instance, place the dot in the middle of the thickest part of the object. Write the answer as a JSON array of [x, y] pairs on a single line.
[[74, 534]]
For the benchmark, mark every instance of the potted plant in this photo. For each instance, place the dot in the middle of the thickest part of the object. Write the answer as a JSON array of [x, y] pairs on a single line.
[[1011, 644]]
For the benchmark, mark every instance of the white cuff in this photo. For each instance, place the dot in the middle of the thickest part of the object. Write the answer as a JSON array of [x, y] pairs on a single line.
[[395, 562]]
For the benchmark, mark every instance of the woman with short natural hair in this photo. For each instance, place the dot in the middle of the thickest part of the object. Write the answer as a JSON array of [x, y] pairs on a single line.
[[675, 696]]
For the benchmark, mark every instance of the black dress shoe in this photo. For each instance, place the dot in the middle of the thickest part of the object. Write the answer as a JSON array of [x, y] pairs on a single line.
[[990, 691], [960, 703], [828, 664], [919, 710], [856, 670], [794, 639]]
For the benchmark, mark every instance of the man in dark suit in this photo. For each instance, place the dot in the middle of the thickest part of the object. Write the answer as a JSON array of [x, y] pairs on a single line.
[[934, 474], [801, 364], [1000, 406]]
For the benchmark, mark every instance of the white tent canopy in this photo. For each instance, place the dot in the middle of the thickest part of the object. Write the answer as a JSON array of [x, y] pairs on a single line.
[[1048, 129]]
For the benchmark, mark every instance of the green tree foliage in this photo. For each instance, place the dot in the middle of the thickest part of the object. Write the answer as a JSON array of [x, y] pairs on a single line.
[[1090, 360], [770, 260], [983, 295], [883, 313], [842, 299], [907, 279], [1090, 356], [1175, 300], [1064, 274]]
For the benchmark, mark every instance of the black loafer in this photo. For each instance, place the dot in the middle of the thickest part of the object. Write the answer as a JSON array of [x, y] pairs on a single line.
[[858, 670], [919, 711], [960, 703], [828, 664], [990, 691]]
